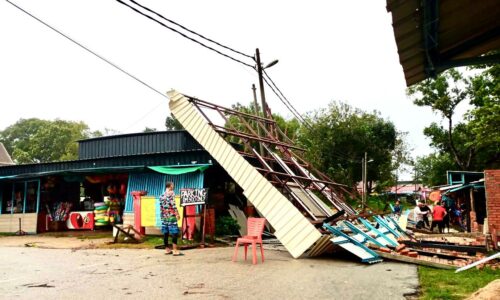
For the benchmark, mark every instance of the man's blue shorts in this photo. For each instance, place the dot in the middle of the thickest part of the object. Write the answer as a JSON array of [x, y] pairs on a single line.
[[170, 227]]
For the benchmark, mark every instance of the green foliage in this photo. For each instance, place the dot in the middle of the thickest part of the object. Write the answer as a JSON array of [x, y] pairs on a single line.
[[432, 169], [171, 123], [474, 143], [340, 135], [225, 225], [38, 141], [289, 127], [337, 141], [446, 284], [148, 129]]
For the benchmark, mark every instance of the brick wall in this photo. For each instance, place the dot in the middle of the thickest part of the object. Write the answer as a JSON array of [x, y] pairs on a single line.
[[492, 187]]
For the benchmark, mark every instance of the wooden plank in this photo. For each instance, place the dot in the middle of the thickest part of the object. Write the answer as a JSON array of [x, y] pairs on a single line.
[[416, 261]]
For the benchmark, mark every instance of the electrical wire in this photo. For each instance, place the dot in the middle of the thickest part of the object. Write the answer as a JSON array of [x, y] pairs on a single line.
[[285, 99], [294, 111], [184, 35], [191, 31], [87, 49], [288, 104], [144, 116], [100, 57]]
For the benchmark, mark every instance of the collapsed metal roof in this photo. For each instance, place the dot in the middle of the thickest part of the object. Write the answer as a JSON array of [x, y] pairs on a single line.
[[434, 35], [269, 168]]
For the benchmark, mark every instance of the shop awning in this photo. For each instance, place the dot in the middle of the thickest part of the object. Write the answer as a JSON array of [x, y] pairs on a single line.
[[171, 170], [467, 186], [177, 170]]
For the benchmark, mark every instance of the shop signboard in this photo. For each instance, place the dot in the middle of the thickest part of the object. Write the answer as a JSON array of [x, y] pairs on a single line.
[[193, 196]]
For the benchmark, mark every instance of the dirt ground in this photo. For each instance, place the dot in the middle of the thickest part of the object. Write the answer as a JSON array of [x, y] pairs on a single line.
[[63, 267], [489, 292]]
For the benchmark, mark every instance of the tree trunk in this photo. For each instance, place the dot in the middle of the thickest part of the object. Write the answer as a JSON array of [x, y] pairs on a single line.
[[452, 145]]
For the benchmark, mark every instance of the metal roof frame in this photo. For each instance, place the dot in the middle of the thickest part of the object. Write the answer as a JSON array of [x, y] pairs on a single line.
[[289, 168]]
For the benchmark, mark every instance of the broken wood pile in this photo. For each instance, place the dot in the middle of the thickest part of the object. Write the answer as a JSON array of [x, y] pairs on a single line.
[[384, 238], [438, 253]]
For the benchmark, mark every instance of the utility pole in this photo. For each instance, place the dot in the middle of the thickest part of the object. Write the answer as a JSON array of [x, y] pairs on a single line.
[[261, 83], [365, 180], [261, 149], [363, 184]]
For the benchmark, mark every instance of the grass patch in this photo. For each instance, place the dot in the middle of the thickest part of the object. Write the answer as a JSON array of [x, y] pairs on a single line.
[[7, 234], [445, 284]]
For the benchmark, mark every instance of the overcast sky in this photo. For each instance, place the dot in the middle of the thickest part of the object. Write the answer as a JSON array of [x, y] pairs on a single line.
[[327, 50]]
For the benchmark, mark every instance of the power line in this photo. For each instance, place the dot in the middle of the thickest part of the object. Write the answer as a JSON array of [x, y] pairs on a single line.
[[97, 55], [184, 35], [285, 101], [189, 30], [82, 46], [294, 111], [143, 117], [279, 97]]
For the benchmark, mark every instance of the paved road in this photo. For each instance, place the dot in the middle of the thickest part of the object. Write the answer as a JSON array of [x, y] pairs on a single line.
[[34, 273]]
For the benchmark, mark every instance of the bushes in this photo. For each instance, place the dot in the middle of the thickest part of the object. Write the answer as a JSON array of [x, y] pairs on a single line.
[[225, 225]]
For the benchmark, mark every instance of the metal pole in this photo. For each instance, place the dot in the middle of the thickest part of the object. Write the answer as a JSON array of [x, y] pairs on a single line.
[[363, 184], [261, 82], [261, 150]]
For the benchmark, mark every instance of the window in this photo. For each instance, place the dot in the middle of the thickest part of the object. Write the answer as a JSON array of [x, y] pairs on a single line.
[[31, 196], [18, 197], [6, 196]]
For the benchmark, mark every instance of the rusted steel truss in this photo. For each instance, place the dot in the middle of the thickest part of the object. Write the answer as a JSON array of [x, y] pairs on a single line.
[[279, 161]]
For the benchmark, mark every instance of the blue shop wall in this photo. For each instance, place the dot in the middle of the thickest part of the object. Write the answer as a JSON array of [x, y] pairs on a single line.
[[154, 184]]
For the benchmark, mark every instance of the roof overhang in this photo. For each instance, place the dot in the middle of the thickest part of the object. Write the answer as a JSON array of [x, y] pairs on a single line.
[[433, 35]]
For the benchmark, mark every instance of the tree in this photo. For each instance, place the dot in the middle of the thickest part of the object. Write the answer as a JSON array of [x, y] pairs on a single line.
[[431, 169], [37, 141], [171, 123], [340, 135], [474, 143], [289, 127], [442, 94], [148, 129]]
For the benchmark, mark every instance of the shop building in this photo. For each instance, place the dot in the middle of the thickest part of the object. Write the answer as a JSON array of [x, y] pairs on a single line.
[[38, 197]]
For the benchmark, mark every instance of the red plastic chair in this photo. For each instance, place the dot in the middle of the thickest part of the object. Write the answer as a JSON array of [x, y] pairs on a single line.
[[255, 227]]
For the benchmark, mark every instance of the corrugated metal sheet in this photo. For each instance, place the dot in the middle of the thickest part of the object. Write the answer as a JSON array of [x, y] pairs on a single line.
[[321, 246], [180, 158], [293, 230], [465, 29], [137, 144]]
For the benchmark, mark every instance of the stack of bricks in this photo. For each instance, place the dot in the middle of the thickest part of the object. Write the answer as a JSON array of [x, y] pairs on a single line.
[[402, 250], [492, 188]]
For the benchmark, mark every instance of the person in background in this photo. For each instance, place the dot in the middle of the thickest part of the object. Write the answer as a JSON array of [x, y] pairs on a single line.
[[449, 205], [397, 208], [428, 211], [438, 214], [169, 218], [418, 215]]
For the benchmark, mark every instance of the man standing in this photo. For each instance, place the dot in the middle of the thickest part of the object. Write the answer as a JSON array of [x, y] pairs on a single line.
[[438, 214], [169, 217]]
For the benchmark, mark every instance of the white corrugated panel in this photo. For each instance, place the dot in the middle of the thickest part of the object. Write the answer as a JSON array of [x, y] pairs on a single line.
[[293, 230]]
